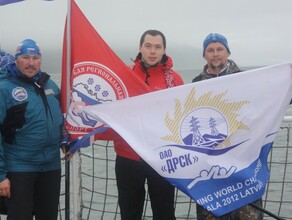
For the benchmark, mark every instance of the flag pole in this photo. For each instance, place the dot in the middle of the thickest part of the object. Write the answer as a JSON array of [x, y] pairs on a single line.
[[72, 166], [68, 73], [68, 52]]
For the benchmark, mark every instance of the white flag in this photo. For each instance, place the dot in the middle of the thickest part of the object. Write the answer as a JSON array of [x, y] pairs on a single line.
[[210, 139]]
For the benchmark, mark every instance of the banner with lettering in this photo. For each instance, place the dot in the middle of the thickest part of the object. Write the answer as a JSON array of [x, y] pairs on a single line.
[[210, 139], [96, 76]]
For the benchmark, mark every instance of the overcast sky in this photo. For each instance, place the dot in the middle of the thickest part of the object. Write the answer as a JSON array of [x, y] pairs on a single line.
[[259, 32]]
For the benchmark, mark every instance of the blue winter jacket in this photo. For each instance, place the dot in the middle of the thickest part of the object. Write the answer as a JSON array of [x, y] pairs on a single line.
[[30, 121]]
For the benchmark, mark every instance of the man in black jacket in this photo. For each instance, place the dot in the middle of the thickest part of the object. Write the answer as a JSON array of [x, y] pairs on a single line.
[[216, 52]]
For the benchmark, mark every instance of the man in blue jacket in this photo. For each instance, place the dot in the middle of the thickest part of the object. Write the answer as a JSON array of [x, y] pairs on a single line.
[[31, 124]]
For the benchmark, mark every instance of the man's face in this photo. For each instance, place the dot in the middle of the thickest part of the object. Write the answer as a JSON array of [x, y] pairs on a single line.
[[152, 50], [28, 65], [216, 56]]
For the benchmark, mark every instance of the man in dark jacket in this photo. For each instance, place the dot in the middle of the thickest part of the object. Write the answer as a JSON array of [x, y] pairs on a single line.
[[216, 52], [31, 124]]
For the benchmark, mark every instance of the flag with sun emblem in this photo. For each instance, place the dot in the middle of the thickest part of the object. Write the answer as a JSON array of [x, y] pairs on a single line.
[[210, 139]]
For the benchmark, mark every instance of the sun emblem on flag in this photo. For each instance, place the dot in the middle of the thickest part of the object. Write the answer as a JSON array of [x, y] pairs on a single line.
[[207, 122]]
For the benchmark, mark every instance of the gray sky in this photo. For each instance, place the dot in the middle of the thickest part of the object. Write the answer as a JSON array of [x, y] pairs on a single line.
[[258, 31]]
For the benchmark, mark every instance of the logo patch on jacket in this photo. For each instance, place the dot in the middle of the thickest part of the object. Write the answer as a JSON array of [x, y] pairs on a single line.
[[19, 94], [49, 92]]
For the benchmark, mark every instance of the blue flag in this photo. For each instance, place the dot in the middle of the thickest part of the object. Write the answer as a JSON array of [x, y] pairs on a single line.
[[6, 2]]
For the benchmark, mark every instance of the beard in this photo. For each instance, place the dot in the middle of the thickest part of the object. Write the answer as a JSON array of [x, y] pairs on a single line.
[[217, 67]]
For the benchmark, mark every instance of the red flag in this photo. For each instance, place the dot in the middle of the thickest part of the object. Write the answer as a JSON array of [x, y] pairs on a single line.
[[97, 76]]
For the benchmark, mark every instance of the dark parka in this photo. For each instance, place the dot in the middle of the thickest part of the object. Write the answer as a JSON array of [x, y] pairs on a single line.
[[30, 122]]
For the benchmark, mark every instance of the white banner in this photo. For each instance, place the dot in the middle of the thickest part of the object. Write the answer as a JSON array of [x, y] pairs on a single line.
[[211, 138]]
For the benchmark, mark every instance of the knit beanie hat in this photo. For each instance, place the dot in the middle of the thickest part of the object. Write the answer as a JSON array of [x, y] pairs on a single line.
[[214, 37], [27, 46]]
